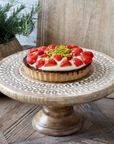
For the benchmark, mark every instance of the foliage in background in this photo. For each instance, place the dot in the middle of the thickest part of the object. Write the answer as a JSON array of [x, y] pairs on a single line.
[[17, 22]]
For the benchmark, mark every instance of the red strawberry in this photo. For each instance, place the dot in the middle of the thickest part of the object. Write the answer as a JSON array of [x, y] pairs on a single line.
[[86, 59], [76, 54], [65, 63], [69, 57], [64, 45], [40, 63], [75, 46], [39, 52], [32, 50], [58, 57], [43, 48], [79, 50], [46, 50], [88, 53], [52, 46], [44, 56], [69, 46], [31, 58], [77, 62], [50, 62]]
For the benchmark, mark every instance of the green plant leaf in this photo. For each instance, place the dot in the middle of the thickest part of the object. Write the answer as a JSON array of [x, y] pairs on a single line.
[[17, 22]]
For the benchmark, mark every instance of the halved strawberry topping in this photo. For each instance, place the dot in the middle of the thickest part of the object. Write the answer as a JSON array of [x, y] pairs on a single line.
[[75, 53], [77, 62], [44, 56], [40, 63], [86, 59], [39, 52], [69, 46], [75, 46], [69, 57], [52, 46], [65, 63], [31, 58], [88, 53], [43, 48], [78, 50], [32, 50], [47, 49], [50, 62], [58, 57]]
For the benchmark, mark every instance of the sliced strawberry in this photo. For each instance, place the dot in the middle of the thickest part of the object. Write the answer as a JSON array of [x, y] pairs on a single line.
[[86, 59], [44, 56], [77, 62], [40, 63], [46, 50], [75, 54], [79, 50], [75, 46], [32, 50], [65, 63], [31, 58], [88, 53], [50, 62], [64, 45], [52, 46], [58, 57], [69, 57], [69, 46], [43, 48], [39, 52]]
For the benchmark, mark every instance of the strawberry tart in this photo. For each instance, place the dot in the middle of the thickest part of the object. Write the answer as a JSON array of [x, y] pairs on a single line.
[[57, 63]]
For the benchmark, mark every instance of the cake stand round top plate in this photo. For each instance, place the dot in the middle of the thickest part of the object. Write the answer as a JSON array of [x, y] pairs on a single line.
[[98, 83]]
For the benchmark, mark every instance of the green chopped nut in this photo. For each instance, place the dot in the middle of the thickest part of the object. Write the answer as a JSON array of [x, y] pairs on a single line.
[[48, 57], [65, 58], [61, 50]]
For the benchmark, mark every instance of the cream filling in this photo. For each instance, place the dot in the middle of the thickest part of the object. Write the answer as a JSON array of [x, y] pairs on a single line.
[[58, 68]]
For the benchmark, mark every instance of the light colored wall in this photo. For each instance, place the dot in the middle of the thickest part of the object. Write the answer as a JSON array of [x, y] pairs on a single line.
[[86, 23], [31, 39]]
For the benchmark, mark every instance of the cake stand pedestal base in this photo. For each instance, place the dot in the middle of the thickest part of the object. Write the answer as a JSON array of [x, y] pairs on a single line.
[[57, 121]]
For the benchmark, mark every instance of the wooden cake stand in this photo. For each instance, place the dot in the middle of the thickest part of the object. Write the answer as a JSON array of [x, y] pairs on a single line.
[[57, 116]]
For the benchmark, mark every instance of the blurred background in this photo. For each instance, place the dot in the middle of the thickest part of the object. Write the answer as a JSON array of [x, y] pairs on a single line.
[[31, 39]]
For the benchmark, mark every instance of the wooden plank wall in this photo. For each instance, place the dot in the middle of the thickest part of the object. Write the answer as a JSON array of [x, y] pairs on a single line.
[[86, 23]]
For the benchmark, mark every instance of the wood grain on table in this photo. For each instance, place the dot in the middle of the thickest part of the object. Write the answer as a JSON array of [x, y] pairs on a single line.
[[16, 128]]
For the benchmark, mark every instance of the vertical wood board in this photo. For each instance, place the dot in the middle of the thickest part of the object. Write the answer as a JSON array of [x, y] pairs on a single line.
[[86, 23]]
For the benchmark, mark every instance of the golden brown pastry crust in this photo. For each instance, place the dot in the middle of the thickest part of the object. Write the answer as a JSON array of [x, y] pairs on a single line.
[[57, 77]]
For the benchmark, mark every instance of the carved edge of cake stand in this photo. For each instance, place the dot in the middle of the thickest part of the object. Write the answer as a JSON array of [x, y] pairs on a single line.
[[57, 117]]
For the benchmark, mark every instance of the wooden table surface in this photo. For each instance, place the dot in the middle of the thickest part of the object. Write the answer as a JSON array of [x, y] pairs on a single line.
[[16, 127]]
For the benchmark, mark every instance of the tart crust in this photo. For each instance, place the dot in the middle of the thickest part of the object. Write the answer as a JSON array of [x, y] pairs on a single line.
[[57, 76]]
